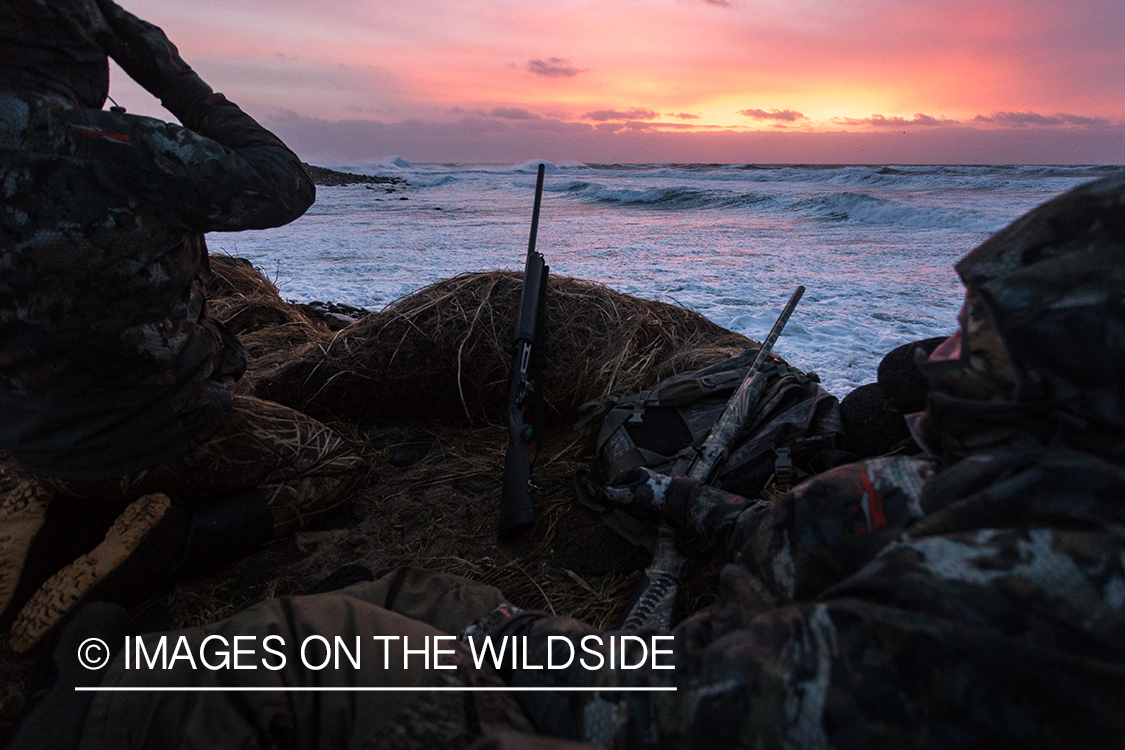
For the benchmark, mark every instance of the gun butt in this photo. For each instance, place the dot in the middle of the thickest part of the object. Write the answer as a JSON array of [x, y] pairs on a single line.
[[517, 513]]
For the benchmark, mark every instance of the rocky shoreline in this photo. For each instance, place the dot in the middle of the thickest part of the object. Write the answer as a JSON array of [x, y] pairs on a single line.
[[332, 178], [333, 314]]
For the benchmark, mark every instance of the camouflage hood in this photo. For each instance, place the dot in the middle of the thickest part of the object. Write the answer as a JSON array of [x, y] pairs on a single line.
[[50, 47], [1042, 331]]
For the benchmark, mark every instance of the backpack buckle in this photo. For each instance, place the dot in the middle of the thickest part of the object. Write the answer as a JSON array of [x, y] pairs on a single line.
[[638, 415], [783, 467]]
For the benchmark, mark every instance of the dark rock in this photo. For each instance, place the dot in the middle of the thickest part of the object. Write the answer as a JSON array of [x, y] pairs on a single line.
[[335, 308], [333, 315], [408, 454], [900, 379], [872, 424], [332, 178]]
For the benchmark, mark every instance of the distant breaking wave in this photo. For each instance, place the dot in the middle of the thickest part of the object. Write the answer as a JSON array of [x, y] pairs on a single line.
[[904, 196], [875, 245], [661, 197], [845, 206], [867, 209]]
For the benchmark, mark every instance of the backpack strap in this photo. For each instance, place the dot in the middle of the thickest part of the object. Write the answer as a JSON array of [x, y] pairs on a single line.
[[592, 410]]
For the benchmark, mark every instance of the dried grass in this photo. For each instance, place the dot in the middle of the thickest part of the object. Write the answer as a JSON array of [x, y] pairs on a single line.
[[441, 355], [436, 363], [272, 330], [431, 370]]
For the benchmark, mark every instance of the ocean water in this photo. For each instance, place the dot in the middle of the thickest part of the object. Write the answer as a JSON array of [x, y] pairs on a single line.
[[873, 245]]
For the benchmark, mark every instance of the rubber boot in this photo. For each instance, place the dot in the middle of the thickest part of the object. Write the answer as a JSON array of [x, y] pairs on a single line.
[[72, 527], [63, 591], [151, 546], [191, 539]]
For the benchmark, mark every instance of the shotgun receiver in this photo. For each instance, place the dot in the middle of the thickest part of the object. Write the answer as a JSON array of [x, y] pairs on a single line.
[[517, 513], [715, 449]]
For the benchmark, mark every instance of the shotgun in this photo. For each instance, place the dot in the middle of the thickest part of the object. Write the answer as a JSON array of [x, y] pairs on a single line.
[[715, 449], [517, 513], [651, 604]]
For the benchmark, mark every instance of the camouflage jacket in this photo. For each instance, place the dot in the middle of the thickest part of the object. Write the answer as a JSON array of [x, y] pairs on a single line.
[[109, 361], [882, 605]]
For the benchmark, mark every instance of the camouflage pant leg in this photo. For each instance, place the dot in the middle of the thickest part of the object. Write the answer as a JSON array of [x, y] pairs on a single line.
[[336, 718], [445, 601], [348, 714], [304, 469]]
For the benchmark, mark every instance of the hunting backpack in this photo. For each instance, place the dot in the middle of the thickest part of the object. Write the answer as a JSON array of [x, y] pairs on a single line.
[[656, 428]]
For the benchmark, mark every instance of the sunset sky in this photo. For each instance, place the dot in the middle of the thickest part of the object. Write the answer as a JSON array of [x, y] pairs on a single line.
[[764, 81]]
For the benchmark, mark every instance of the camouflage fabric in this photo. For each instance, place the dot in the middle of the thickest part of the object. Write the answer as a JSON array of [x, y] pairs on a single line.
[[907, 602], [877, 606], [1042, 331], [109, 360], [49, 46]]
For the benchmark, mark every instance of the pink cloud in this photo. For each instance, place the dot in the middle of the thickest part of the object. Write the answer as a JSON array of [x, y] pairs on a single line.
[[554, 67], [785, 115], [880, 121], [636, 113], [514, 113], [1026, 119]]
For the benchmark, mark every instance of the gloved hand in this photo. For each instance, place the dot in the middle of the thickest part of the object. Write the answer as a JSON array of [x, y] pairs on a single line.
[[149, 57], [646, 493]]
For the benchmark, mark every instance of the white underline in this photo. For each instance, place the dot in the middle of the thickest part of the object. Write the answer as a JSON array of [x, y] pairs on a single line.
[[371, 689]]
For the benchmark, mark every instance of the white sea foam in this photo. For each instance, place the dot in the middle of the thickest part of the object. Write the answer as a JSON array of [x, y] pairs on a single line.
[[875, 246]]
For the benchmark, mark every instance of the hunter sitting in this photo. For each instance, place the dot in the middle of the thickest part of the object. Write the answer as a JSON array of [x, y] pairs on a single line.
[[116, 385]]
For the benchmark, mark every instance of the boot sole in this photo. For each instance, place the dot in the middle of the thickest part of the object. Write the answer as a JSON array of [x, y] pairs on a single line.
[[64, 590]]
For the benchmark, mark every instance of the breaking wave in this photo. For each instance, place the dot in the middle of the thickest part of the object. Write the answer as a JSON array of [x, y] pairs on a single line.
[[843, 206], [659, 197], [867, 209]]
